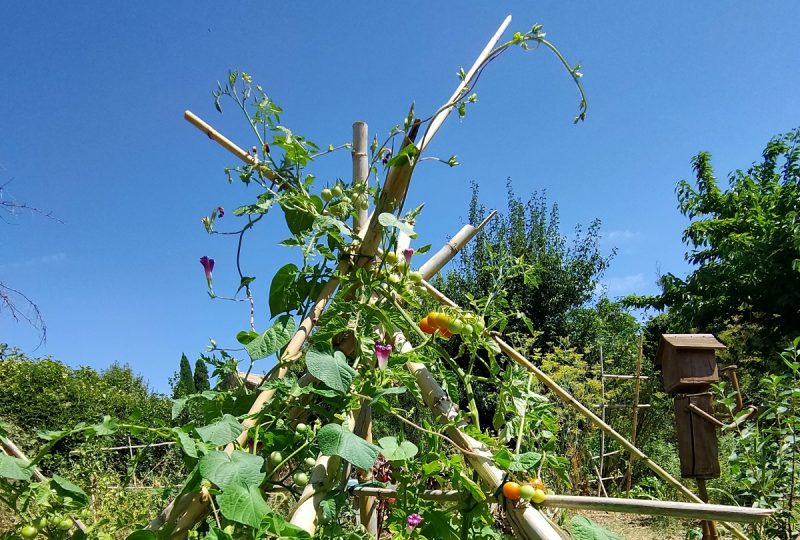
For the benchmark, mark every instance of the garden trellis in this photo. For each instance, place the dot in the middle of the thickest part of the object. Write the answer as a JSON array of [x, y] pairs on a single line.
[[329, 471]]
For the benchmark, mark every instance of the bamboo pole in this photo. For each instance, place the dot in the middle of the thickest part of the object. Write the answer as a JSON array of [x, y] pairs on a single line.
[[360, 169], [635, 419], [453, 246], [566, 397], [681, 510], [647, 507], [440, 117]]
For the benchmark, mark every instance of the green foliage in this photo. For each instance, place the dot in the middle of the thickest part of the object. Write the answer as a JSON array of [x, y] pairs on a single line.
[[745, 244], [185, 383], [558, 276], [201, 380], [766, 454]]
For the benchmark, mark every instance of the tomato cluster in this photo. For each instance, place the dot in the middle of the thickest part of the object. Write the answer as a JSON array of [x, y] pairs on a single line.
[[447, 324], [533, 491]]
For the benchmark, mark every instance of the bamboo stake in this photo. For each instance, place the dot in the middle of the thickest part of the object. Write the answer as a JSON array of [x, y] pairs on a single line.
[[437, 121], [453, 246], [635, 419], [360, 169], [566, 397], [647, 507], [681, 510]]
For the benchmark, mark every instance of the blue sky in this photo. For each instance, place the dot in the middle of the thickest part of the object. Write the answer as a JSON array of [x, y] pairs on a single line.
[[91, 102]]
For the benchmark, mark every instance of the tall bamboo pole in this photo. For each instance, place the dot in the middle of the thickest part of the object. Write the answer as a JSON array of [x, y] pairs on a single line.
[[360, 169], [635, 419], [566, 397]]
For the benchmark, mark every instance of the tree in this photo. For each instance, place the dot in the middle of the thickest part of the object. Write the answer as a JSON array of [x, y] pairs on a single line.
[[558, 277], [201, 381], [185, 383], [745, 244]]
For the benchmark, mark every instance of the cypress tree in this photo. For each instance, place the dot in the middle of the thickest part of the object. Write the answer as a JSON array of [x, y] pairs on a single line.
[[201, 381], [185, 384]]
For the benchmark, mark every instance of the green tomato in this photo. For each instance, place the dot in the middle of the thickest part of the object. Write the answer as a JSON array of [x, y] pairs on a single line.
[[54, 520], [42, 523], [526, 492], [480, 326], [346, 200], [336, 191], [363, 203], [467, 330], [86, 513], [65, 524], [394, 278], [326, 195], [275, 458], [538, 496], [415, 277], [300, 479], [310, 461], [29, 531], [391, 257], [301, 428], [455, 326]]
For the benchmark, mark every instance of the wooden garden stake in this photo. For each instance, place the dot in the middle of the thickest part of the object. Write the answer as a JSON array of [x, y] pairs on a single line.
[[453, 246]]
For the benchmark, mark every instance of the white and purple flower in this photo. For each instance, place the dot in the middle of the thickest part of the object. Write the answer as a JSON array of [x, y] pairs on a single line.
[[382, 353]]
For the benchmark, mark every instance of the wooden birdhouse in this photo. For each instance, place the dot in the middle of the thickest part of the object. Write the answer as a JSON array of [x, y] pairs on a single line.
[[697, 437], [688, 362]]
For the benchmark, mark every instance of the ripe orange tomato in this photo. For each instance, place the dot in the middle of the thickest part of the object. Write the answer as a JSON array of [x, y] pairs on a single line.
[[426, 327], [445, 332], [537, 484], [511, 491]]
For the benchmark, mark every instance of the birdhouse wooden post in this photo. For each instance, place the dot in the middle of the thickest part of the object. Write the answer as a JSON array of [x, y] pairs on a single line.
[[697, 437], [688, 362]]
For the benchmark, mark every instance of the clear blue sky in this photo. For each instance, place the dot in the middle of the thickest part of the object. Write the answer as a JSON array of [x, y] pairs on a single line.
[[91, 102]]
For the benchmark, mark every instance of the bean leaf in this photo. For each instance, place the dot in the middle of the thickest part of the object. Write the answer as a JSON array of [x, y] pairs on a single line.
[[334, 440]]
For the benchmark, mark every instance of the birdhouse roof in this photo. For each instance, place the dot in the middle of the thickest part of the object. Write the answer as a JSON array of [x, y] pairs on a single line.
[[687, 341]]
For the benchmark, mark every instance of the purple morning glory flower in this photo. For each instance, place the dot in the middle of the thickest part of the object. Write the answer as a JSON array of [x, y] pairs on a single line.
[[412, 521], [407, 253], [382, 353], [208, 266], [220, 211]]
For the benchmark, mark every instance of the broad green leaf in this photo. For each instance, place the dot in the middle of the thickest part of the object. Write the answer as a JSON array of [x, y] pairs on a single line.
[[108, 426], [334, 440], [13, 468], [222, 431], [334, 372], [283, 295], [503, 458], [394, 451], [238, 468], [278, 526], [527, 461], [187, 443], [243, 504], [388, 219], [585, 529], [65, 488], [246, 336], [273, 340]]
